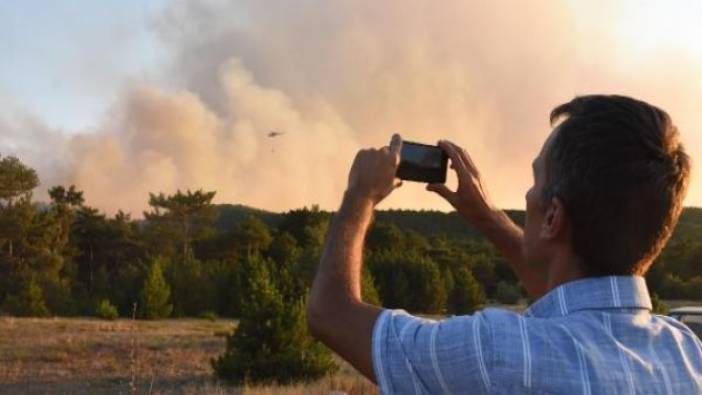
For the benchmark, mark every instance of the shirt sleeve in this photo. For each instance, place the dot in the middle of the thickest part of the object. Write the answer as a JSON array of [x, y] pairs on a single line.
[[412, 355]]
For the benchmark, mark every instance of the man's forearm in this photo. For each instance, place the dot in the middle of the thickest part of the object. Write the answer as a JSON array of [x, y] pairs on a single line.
[[336, 313], [507, 237], [339, 271]]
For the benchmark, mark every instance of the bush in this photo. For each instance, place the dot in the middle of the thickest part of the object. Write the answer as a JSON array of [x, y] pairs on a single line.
[[674, 287], [28, 303], [192, 289], [467, 295], [409, 281], [106, 310], [507, 293], [209, 315], [659, 307], [271, 343], [694, 288], [369, 294]]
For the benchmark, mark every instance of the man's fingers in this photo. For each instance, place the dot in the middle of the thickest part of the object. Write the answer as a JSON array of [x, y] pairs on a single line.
[[465, 158], [396, 144], [444, 191], [455, 156]]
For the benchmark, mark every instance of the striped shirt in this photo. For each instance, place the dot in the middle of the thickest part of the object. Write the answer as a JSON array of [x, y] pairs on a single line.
[[590, 336]]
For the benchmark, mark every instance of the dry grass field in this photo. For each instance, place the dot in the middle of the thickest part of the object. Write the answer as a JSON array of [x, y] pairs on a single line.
[[90, 356]]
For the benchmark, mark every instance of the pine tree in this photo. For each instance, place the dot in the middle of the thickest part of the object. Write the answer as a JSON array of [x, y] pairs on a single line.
[[409, 281], [176, 221], [466, 295], [449, 285], [284, 249], [29, 302], [251, 236], [156, 293], [188, 291], [271, 343], [507, 293], [16, 184], [369, 293]]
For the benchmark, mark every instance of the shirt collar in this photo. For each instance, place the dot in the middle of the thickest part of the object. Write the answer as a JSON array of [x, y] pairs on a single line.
[[611, 292]]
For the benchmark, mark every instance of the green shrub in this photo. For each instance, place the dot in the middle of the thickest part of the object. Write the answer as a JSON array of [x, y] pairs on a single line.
[[507, 293], [675, 287], [29, 302], [106, 310], [659, 307], [369, 293], [209, 315], [271, 343], [467, 295], [409, 281]]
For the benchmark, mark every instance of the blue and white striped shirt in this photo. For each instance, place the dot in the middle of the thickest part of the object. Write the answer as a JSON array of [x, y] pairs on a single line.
[[590, 336]]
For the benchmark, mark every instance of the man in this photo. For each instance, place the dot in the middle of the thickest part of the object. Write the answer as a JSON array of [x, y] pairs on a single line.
[[608, 189]]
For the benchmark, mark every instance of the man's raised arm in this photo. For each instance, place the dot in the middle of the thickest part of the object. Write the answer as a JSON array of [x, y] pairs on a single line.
[[337, 315], [472, 202]]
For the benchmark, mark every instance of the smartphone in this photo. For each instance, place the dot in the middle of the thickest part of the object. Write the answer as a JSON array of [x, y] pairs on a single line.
[[422, 163]]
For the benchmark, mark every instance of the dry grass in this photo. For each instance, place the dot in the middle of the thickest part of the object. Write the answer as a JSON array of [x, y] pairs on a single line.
[[89, 356], [674, 304]]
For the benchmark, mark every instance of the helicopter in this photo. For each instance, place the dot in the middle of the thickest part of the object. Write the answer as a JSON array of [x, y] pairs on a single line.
[[273, 134]]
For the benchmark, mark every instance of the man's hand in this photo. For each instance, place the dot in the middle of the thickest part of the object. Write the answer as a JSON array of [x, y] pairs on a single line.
[[372, 175], [470, 198], [472, 202]]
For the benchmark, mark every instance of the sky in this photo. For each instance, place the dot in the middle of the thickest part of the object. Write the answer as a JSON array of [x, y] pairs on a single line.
[[123, 98]]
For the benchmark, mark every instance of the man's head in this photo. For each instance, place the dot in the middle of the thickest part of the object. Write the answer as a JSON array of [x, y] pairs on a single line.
[[608, 186]]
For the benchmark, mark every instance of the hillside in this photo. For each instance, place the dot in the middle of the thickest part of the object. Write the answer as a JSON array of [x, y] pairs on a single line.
[[437, 223]]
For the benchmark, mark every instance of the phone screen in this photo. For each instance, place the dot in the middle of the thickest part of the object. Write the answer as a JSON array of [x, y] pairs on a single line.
[[421, 162], [422, 156]]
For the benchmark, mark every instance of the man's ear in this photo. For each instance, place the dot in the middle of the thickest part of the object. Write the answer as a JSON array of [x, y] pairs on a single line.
[[554, 223]]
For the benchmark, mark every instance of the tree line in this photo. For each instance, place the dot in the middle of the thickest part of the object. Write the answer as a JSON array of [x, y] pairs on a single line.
[[65, 257], [189, 257]]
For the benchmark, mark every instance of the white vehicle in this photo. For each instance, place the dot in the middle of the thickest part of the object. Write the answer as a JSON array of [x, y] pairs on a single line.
[[690, 316]]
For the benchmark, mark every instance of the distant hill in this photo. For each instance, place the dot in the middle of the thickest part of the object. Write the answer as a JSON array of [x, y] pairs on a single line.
[[453, 226], [690, 224], [430, 223], [231, 214]]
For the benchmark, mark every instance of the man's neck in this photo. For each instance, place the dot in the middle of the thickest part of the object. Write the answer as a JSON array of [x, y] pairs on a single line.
[[563, 268]]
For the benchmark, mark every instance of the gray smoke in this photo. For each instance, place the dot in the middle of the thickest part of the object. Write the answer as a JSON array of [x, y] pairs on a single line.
[[338, 76]]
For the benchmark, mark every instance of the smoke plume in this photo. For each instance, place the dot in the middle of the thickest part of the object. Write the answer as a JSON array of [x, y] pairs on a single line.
[[333, 77]]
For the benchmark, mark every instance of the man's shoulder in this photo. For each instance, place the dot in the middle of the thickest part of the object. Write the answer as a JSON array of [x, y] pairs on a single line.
[[499, 316], [508, 319], [510, 330], [503, 319]]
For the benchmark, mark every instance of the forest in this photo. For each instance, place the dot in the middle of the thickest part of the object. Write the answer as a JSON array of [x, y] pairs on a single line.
[[189, 257]]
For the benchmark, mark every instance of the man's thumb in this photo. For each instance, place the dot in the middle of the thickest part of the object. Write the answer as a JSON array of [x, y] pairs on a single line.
[[442, 190]]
